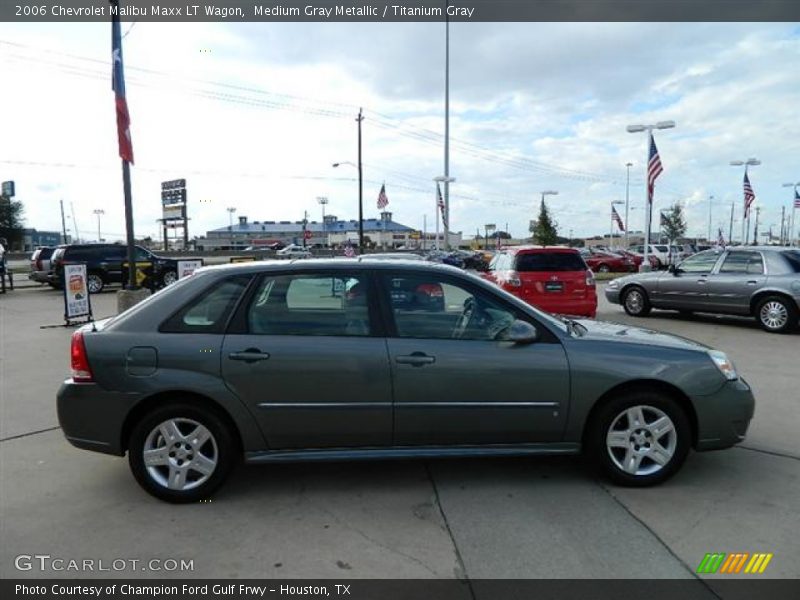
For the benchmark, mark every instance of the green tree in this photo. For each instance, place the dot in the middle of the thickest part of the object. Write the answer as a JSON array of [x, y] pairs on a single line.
[[11, 220], [673, 223], [545, 228]]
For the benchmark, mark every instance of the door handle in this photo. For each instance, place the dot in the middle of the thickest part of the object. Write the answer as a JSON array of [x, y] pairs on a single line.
[[415, 359], [752, 282], [250, 355], [703, 281]]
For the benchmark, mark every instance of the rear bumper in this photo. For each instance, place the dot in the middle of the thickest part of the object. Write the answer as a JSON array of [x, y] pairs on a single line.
[[577, 308], [724, 417], [92, 418], [39, 276]]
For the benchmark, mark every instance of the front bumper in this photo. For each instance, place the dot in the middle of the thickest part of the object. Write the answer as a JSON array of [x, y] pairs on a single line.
[[612, 295], [92, 418], [723, 417]]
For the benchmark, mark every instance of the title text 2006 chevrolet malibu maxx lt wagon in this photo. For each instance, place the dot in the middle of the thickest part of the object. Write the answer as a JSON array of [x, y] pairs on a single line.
[[352, 359]]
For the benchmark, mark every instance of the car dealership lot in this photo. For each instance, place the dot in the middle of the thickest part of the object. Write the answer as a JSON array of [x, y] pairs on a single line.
[[524, 517]]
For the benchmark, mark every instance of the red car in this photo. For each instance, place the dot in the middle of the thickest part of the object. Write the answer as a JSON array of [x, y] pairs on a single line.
[[638, 259], [554, 279], [608, 262]]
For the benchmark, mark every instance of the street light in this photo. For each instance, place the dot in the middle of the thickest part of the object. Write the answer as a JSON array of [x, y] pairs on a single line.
[[231, 210], [710, 200], [98, 212], [360, 192], [322, 201], [445, 213], [628, 166], [645, 266], [750, 162]]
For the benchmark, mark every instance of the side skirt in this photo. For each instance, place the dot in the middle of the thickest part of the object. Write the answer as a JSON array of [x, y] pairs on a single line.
[[404, 452]]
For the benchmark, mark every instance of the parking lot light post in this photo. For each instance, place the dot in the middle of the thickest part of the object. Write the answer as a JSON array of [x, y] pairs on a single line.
[[98, 212], [231, 210], [750, 162], [628, 166], [645, 266]]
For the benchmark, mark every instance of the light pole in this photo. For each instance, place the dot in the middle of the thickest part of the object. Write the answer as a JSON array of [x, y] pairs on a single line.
[[611, 231], [231, 210], [98, 212], [750, 162], [446, 180], [710, 200], [645, 266], [322, 201], [794, 205], [628, 166]]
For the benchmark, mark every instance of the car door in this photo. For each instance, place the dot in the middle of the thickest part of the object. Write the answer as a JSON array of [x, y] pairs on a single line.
[[732, 285], [306, 354], [454, 383], [685, 286]]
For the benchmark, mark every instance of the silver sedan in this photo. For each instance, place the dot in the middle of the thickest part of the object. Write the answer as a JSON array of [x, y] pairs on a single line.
[[762, 282]]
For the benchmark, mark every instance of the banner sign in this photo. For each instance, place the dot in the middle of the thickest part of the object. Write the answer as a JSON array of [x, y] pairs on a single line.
[[76, 292], [241, 259], [8, 189], [173, 192], [174, 211], [187, 267]]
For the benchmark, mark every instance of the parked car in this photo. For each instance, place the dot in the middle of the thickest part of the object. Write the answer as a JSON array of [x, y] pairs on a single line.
[[40, 264], [489, 375], [760, 281], [104, 265], [394, 256], [293, 251], [555, 279], [607, 261], [638, 259], [660, 251]]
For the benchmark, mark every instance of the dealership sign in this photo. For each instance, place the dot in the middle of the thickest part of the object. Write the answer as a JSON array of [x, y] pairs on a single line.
[[76, 293], [187, 267]]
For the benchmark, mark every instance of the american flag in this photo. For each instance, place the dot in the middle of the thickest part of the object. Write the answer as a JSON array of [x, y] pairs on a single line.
[[383, 200], [617, 218], [749, 196], [654, 169], [440, 204], [118, 85], [720, 238], [349, 251], [796, 199]]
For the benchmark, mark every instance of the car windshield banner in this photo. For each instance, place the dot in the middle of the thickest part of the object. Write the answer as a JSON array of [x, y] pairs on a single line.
[[76, 292], [187, 267]]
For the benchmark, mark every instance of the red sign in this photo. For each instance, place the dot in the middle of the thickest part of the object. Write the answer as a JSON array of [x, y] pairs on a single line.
[[307, 234]]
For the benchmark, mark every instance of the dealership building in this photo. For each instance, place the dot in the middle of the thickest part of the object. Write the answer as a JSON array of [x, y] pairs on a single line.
[[332, 232]]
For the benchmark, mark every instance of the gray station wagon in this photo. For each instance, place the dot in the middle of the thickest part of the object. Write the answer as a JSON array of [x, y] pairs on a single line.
[[762, 282], [359, 359]]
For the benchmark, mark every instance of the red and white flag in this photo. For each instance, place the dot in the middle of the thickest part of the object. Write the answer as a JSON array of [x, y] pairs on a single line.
[[617, 218], [383, 199]]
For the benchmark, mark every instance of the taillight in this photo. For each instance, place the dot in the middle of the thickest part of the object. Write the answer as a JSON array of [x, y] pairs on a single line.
[[512, 279], [589, 278], [81, 371]]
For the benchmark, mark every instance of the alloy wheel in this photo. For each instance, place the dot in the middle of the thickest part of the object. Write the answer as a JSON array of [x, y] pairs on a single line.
[[641, 440], [94, 283], [773, 315], [170, 277], [180, 454], [634, 301]]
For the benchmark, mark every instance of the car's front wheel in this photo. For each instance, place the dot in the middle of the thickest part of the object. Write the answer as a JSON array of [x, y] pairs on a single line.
[[95, 283], [776, 314], [640, 438], [181, 453], [635, 302], [169, 277]]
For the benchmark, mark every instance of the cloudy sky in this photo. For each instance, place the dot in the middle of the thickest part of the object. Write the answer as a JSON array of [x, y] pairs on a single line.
[[253, 115]]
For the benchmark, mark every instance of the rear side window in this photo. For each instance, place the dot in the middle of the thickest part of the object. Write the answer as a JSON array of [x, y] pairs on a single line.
[[743, 262], [208, 313], [45, 253], [793, 258], [549, 261]]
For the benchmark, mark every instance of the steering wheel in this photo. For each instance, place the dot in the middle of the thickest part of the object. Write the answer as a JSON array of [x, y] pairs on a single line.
[[465, 319]]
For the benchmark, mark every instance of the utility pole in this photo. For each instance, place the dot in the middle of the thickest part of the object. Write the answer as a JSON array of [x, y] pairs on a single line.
[[359, 119], [730, 229], [305, 226], [63, 222], [447, 178], [710, 200], [755, 233], [627, 199], [783, 218]]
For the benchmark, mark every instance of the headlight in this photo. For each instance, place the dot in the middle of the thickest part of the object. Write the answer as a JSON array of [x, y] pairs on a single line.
[[613, 284], [724, 364]]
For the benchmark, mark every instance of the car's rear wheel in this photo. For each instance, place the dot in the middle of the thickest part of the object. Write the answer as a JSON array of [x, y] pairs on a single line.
[[169, 277], [95, 283], [639, 438], [776, 314], [635, 302], [181, 453], [604, 269]]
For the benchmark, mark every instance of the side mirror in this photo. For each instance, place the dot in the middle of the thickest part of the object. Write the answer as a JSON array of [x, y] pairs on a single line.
[[520, 332]]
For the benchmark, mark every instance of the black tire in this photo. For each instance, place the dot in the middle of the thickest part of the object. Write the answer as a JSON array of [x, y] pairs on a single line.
[[220, 447], [169, 277], [776, 314], [686, 314], [95, 283], [612, 418], [635, 302]]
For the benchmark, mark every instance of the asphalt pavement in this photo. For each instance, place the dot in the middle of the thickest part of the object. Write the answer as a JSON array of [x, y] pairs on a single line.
[[468, 519]]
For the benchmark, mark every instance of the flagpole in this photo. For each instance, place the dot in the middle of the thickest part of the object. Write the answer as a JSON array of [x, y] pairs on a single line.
[[648, 205], [436, 213]]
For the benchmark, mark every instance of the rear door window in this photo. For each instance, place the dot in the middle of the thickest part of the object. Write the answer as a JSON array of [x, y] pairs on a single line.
[[549, 261], [209, 312], [743, 262]]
